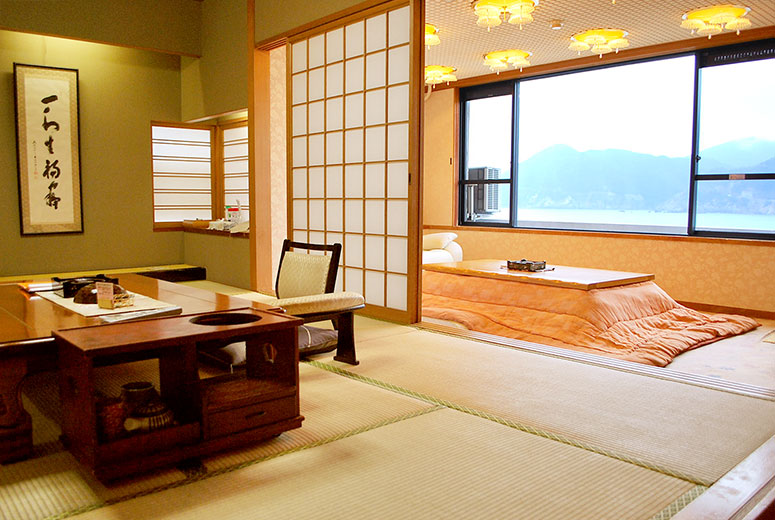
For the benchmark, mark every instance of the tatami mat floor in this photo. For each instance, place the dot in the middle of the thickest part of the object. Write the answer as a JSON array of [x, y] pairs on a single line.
[[428, 426], [406, 434]]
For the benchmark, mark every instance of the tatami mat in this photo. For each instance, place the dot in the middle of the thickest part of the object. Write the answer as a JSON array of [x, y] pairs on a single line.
[[444, 464], [626, 414], [332, 407], [427, 426], [56, 484]]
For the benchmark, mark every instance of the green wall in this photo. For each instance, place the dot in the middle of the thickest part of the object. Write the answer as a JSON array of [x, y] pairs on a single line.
[[121, 91], [274, 18], [166, 25], [226, 258], [217, 83]]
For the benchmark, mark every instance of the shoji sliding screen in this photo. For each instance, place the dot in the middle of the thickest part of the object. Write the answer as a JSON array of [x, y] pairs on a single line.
[[352, 150]]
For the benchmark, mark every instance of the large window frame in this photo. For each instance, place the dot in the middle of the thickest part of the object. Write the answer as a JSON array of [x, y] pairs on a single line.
[[505, 88], [757, 50], [714, 57]]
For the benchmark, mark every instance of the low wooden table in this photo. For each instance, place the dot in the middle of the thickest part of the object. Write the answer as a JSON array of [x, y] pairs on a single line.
[[212, 414], [556, 275], [26, 325]]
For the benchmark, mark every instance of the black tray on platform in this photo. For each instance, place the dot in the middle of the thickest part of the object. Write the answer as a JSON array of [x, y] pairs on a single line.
[[70, 286]]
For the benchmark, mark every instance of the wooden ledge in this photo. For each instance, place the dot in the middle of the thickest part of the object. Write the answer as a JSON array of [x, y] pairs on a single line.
[[200, 226], [748, 486], [93, 272]]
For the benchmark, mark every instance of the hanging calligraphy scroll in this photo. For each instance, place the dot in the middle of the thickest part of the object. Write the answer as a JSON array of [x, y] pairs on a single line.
[[47, 145]]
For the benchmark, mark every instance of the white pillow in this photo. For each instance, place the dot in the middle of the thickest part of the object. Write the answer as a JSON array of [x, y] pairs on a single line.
[[437, 240], [436, 256]]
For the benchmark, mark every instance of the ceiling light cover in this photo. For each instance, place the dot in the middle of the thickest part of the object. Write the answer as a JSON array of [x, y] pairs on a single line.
[[599, 41], [708, 21], [500, 60], [435, 74], [490, 13], [431, 35]]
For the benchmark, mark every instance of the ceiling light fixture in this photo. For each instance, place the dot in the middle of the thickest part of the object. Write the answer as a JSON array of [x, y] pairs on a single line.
[[712, 20], [435, 74], [599, 41], [500, 60], [517, 12], [555, 25], [431, 35]]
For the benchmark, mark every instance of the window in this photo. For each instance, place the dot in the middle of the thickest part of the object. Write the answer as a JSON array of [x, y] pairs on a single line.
[[234, 143], [611, 148], [607, 149], [192, 182], [181, 173], [736, 159], [486, 182]]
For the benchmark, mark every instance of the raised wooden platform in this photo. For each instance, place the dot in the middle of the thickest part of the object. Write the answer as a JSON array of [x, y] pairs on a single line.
[[556, 275]]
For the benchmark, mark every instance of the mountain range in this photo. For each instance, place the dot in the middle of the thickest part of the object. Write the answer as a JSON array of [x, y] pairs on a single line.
[[561, 177]]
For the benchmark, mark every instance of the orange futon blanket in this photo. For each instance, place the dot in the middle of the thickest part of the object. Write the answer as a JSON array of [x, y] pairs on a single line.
[[637, 322]]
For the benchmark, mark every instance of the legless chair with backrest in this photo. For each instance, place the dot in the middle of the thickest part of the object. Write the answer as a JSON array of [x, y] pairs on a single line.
[[305, 288]]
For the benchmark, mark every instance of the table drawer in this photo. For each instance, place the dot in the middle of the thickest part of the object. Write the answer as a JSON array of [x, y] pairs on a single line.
[[247, 417]]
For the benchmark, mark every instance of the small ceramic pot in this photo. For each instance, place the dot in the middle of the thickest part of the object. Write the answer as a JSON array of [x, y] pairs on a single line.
[[137, 394]]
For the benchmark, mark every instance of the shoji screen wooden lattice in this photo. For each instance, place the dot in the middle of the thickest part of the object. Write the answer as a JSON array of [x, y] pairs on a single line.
[[234, 155], [182, 172], [349, 159]]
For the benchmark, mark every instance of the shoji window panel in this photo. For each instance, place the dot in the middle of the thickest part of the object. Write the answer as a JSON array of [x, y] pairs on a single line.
[[234, 144], [182, 172], [350, 144]]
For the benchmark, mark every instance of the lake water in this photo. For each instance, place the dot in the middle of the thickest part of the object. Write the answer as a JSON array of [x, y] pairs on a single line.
[[635, 220]]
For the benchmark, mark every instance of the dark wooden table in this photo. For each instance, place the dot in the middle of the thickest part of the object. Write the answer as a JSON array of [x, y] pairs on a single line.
[[211, 414], [26, 325]]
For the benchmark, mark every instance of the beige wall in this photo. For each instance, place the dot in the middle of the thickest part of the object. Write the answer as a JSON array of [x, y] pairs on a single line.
[[121, 91], [168, 25], [438, 161], [278, 169], [712, 272]]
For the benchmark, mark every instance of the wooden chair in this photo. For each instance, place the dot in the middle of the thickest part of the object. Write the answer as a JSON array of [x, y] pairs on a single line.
[[305, 288]]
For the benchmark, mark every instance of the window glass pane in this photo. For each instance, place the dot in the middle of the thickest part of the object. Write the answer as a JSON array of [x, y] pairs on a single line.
[[743, 206], [488, 133], [607, 149], [737, 110], [486, 202], [488, 157]]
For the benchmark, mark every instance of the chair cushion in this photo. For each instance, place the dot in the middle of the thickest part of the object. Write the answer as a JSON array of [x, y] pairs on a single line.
[[302, 274], [326, 302], [312, 340]]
